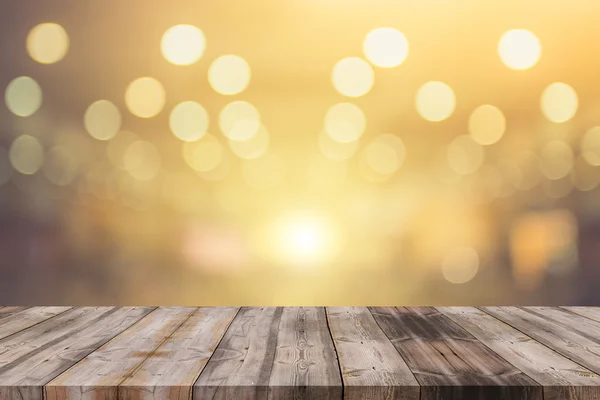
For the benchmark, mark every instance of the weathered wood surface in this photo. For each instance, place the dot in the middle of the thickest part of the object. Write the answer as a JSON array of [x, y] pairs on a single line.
[[452, 353]]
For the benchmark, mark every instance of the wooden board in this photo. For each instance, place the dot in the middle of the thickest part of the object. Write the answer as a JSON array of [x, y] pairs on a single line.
[[574, 336], [370, 365], [25, 374], [589, 312], [10, 310], [16, 322], [449, 362], [561, 378]]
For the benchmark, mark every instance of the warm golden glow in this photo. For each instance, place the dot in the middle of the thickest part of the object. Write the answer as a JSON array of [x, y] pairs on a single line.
[[239, 120], [23, 96], [435, 101], [345, 122], [264, 172], [584, 176], [204, 154], [335, 150], [590, 146], [385, 154], [102, 120], [229, 74], [145, 97], [325, 174], [183, 44], [47, 43], [353, 77], [465, 156], [559, 102], [385, 47], [487, 124], [519, 49], [142, 160], [556, 159], [26, 154], [460, 265], [188, 121], [253, 147], [117, 147]]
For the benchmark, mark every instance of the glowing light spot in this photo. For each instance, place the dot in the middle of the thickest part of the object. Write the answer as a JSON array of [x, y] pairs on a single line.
[[229, 75], [60, 166], [23, 96], [263, 172], [487, 124], [204, 154], [559, 102], [353, 77], [556, 159], [385, 47], [183, 44], [6, 169], [590, 146], [345, 122], [435, 101], [464, 155], [117, 147], [239, 120], [385, 154], [188, 121], [26, 154], [47, 43], [335, 150], [142, 160], [102, 120], [145, 97], [460, 265], [251, 148], [519, 49]]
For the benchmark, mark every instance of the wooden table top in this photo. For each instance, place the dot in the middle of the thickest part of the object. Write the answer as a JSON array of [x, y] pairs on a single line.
[[546, 353]]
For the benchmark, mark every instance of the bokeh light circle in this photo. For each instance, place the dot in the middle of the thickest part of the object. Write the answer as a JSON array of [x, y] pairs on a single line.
[[145, 97], [142, 160], [23, 96], [251, 148], [464, 155], [204, 154], [60, 166], [183, 44], [556, 159], [239, 120], [385, 154], [487, 124], [559, 102], [353, 77], [47, 43], [6, 169], [188, 121], [102, 120], [460, 265], [590, 146], [26, 154], [229, 74], [385, 47], [435, 101], [519, 49], [345, 122]]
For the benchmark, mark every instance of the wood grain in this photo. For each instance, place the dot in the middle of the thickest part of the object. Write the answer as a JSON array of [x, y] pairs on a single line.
[[574, 336], [170, 372], [561, 378], [241, 365], [589, 312], [305, 363], [99, 374], [7, 311], [25, 376], [371, 367], [16, 322], [449, 362]]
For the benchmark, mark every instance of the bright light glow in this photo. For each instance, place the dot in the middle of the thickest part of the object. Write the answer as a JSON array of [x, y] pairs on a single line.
[[435, 101], [559, 102], [385, 47], [26, 154], [353, 77], [47, 43], [519, 49], [145, 97], [239, 120], [251, 148], [188, 121], [23, 96], [229, 74], [345, 122], [204, 154], [487, 124], [102, 120], [460, 265], [183, 44], [590, 146]]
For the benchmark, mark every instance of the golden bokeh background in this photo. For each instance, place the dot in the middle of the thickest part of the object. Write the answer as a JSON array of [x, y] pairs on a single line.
[[299, 152]]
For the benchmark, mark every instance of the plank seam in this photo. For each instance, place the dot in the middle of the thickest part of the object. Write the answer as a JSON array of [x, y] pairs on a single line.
[[213, 352], [47, 319], [337, 357], [576, 313]]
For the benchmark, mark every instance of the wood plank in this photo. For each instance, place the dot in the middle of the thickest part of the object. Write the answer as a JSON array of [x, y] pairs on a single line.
[[27, 318], [7, 311], [25, 376], [241, 365], [371, 367], [447, 361], [574, 336], [171, 372], [589, 312], [305, 361], [99, 374], [561, 378]]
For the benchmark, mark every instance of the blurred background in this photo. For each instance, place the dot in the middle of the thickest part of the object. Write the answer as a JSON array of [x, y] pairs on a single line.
[[299, 152]]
